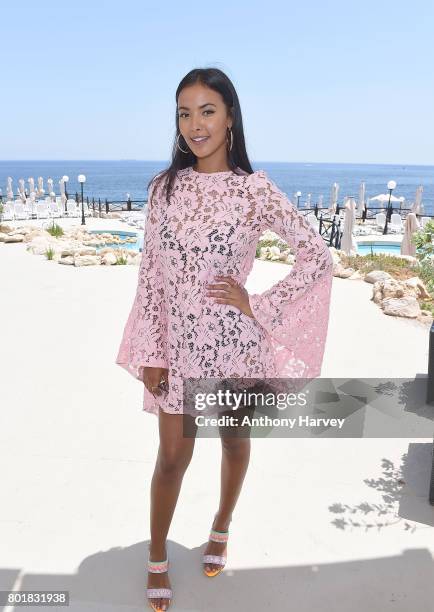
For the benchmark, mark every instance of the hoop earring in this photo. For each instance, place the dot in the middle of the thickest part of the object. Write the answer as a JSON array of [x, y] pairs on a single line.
[[177, 144], [232, 139]]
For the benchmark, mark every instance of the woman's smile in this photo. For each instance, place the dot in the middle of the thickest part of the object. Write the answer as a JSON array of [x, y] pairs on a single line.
[[200, 142]]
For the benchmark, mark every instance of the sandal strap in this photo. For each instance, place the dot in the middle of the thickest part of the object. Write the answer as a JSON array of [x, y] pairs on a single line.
[[214, 559], [158, 567], [153, 593], [218, 536]]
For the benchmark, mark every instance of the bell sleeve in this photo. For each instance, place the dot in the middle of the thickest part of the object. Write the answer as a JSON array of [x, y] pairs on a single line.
[[294, 312], [144, 339]]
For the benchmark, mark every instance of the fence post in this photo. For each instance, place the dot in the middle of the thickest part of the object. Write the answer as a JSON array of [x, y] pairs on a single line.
[[129, 204], [106, 206], [332, 232], [99, 207], [338, 236]]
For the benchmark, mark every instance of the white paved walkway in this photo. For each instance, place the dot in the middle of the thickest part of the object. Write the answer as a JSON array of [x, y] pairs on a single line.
[[325, 524]]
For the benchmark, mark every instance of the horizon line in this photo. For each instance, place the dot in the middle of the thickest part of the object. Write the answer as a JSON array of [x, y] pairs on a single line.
[[126, 159]]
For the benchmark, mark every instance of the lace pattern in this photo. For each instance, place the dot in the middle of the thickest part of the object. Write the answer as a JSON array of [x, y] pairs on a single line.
[[211, 226]]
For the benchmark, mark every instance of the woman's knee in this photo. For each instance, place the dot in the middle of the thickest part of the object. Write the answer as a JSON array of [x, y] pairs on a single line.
[[236, 447], [173, 462]]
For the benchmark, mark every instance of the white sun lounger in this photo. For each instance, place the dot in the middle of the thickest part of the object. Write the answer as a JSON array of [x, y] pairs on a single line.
[[55, 209], [20, 211], [396, 224], [380, 220], [42, 211], [8, 212], [71, 208]]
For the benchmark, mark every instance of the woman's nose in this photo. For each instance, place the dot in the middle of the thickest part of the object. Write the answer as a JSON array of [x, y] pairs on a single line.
[[196, 123]]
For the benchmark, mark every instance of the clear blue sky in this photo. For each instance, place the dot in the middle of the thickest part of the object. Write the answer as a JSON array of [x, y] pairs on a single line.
[[332, 81]]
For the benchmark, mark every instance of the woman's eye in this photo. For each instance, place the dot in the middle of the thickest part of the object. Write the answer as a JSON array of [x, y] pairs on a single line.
[[185, 114]]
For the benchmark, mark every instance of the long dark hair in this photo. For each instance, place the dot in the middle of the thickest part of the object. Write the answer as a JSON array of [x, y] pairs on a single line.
[[218, 81]]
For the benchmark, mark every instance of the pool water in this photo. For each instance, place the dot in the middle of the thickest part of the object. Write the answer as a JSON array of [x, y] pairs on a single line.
[[131, 246], [389, 248]]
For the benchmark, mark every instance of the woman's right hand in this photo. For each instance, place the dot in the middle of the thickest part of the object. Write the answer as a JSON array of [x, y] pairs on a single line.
[[152, 378]]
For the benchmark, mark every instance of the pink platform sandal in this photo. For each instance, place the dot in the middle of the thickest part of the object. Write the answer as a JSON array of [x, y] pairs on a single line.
[[221, 537], [158, 567]]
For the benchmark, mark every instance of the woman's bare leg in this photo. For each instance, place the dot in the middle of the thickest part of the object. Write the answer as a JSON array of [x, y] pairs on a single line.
[[174, 455], [235, 461]]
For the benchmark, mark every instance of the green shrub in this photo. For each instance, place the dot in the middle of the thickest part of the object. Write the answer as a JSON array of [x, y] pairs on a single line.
[[424, 241], [55, 230], [121, 260], [400, 269], [49, 253], [269, 243]]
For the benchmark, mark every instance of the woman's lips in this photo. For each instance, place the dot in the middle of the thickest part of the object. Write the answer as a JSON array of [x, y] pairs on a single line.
[[199, 142]]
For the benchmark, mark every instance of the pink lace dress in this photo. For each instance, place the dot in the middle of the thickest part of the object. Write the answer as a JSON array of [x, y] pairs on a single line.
[[212, 226]]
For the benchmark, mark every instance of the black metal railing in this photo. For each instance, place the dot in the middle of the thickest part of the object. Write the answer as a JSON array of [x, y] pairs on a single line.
[[107, 206]]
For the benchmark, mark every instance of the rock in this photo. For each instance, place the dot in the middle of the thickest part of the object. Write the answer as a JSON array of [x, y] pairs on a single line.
[[338, 269], [356, 276], [392, 288], [68, 260], [94, 242], [20, 230], [416, 283], [2, 236], [86, 251], [40, 244], [87, 260], [346, 273], [135, 261], [106, 250], [290, 259], [401, 307], [13, 238], [68, 252], [115, 215], [425, 317], [35, 233], [341, 272], [335, 255], [264, 252], [5, 229], [109, 259], [376, 275]]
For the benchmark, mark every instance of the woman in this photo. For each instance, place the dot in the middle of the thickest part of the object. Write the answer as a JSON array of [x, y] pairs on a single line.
[[193, 318]]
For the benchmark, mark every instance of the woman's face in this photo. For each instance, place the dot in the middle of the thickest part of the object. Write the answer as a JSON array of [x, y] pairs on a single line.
[[202, 112]]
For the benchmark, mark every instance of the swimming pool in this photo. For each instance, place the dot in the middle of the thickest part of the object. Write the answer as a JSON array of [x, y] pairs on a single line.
[[388, 248], [131, 246]]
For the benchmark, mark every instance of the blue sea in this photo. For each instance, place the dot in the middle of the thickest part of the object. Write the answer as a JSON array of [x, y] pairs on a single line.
[[115, 179]]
